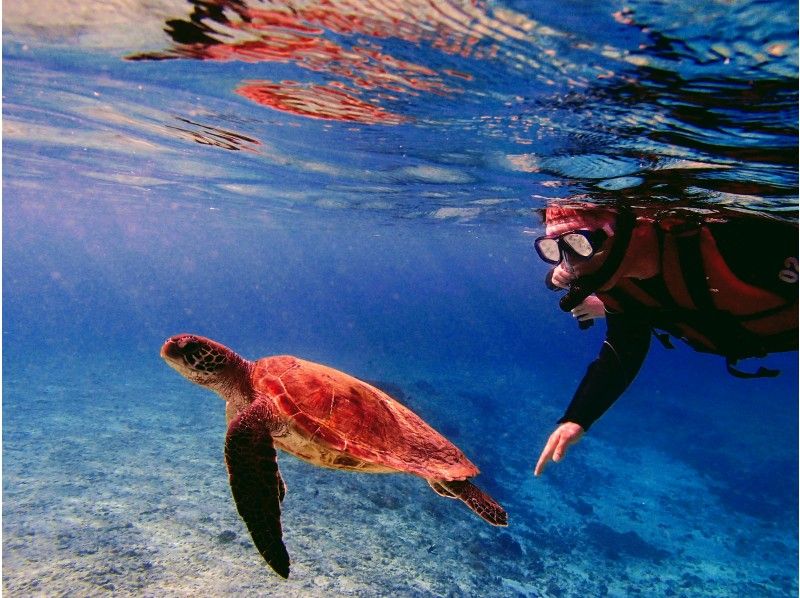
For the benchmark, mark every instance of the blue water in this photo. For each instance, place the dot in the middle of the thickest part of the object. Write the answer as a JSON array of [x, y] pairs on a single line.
[[358, 185]]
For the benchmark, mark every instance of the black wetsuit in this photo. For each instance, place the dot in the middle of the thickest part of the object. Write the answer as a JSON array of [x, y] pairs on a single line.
[[772, 270], [607, 377]]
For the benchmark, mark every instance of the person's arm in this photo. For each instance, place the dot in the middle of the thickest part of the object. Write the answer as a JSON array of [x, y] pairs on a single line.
[[623, 352]]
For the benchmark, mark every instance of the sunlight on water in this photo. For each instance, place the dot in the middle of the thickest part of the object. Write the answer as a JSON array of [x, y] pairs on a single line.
[[359, 183], [473, 76]]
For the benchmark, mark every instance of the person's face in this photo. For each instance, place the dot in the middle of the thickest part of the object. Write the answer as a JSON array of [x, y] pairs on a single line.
[[573, 266]]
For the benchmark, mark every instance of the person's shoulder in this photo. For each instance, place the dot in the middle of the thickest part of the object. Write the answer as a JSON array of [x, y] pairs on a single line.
[[759, 251]]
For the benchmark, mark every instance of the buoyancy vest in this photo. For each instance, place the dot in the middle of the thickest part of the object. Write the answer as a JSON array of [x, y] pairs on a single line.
[[725, 286]]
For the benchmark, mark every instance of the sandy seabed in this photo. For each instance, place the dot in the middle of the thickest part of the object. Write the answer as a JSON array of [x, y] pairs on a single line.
[[114, 483]]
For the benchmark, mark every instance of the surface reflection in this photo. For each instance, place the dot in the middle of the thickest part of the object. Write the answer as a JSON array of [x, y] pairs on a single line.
[[316, 101], [681, 116], [209, 135], [318, 38], [649, 105]]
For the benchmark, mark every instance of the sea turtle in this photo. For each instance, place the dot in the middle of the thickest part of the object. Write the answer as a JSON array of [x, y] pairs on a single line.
[[323, 416]]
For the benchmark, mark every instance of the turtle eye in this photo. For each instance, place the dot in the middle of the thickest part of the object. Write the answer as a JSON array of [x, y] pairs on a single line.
[[191, 348]]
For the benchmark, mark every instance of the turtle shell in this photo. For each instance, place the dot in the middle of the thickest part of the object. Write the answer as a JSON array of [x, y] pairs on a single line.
[[355, 420]]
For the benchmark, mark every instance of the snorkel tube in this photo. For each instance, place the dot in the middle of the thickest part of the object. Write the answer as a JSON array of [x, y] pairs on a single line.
[[572, 299], [574, 288], [584, 286]]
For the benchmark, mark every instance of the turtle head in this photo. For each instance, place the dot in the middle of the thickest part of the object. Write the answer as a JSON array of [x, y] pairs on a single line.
[[202, 360]]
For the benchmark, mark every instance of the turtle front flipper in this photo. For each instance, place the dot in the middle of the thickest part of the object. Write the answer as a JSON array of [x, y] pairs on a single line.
[[256, 482], [483, 505], [281, 485]]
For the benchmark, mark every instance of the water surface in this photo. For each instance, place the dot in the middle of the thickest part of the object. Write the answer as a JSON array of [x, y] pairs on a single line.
[[358, 184]]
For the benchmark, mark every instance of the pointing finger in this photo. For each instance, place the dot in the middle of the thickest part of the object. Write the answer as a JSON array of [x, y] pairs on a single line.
[[542, 462]]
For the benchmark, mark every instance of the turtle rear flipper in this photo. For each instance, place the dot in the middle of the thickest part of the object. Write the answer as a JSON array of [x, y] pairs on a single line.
[[483, 505], [256, 482]]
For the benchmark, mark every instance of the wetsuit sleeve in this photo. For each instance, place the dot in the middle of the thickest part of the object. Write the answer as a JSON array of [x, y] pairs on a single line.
[[607, 377]]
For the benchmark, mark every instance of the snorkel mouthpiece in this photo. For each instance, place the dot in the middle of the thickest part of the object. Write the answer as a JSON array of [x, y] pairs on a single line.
[[548, 281]]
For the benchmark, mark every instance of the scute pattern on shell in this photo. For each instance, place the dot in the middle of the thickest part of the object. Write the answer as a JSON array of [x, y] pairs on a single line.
[[351, 416]]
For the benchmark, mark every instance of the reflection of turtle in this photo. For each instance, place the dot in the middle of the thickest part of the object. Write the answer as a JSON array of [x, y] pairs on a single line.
[[323, 416]]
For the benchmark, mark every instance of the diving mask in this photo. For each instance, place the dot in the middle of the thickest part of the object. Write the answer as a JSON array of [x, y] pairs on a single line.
[[581, 244]]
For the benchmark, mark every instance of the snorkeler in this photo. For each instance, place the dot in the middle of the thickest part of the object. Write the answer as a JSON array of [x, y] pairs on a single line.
[[724, 284]]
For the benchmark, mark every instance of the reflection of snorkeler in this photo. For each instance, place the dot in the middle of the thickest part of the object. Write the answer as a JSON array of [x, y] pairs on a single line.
[[724, 285]]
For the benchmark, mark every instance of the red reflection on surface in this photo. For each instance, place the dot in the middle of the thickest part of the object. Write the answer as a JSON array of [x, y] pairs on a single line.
[[295, 32], [316, 101], [311, 52]]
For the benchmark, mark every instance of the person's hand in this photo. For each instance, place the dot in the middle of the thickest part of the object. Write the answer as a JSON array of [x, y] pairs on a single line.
[[564, 436], [590, 309], [561, 277]]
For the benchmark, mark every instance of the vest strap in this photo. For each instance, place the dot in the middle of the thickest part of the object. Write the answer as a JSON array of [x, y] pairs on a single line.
[[761, 372], [664, 339], [691, 264]]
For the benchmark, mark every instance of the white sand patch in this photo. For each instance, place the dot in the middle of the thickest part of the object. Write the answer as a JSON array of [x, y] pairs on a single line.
[[460, 213]]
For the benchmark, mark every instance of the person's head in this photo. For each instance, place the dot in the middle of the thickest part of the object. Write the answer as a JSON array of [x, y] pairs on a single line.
[[577, 236]]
